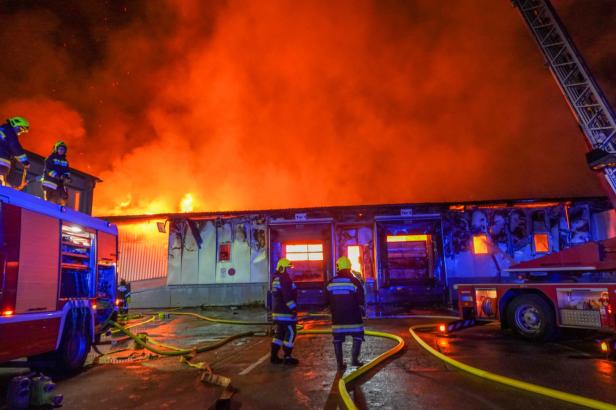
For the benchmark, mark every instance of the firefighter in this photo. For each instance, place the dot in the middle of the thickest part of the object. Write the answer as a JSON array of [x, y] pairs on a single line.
[[345, 296], [124, 293], [56, 175], [10, 146], [284, 313]]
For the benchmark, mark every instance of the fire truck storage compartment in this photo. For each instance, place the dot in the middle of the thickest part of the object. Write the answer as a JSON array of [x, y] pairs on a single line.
[[106, 279], [486, 303], [77, 264], [308, 246], [582, 307], [38, 263], [409, 260]]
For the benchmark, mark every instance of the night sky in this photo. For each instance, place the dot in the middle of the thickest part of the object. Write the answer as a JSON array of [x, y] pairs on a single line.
[[267, 104]]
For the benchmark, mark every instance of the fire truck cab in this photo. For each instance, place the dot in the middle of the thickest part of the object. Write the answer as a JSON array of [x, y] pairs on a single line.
[[57, 281]]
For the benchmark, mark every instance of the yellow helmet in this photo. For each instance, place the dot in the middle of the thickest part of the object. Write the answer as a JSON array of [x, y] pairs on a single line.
[[283, 264], [20, 124], [343, 263]]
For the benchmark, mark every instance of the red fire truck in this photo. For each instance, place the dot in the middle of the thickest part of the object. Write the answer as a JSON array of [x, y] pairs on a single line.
[[57, 281], [575, 287], [572, 288]]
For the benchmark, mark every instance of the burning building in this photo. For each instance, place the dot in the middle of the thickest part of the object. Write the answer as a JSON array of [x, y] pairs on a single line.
[[410, 254]]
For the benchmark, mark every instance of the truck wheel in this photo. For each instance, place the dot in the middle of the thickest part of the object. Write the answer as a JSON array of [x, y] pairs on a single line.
[[531, 317], [74, 347], [73, 350]]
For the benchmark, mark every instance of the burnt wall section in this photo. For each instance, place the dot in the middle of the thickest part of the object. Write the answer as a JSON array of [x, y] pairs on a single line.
[[410, 255], [481, 242], [217, 251]]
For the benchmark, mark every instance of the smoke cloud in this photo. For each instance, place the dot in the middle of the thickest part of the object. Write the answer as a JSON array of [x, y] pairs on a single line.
[[254, 105]]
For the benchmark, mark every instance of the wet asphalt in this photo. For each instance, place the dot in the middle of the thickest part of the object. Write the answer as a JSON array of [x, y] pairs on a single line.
[[413, 379]]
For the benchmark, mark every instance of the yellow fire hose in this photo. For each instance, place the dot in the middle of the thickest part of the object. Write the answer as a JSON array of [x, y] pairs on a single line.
[[215, 320], [342, 383], [153, 317], [176, 351], [518, 384]]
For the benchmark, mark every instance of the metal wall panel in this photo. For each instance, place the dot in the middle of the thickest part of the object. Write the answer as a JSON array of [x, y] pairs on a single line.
[[143, 251], [37, 288]]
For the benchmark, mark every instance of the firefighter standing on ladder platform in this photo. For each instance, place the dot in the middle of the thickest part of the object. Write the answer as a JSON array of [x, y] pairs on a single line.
[[284, 313], [10, 146], [345, 296]]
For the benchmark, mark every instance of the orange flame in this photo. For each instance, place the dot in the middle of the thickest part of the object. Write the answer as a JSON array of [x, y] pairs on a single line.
[[187, 204], [325, 104]]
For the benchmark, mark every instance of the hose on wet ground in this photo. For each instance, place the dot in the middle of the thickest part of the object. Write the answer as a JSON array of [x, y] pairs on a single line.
[[518, 384], [342, 383], [115, 331], [148, 343]]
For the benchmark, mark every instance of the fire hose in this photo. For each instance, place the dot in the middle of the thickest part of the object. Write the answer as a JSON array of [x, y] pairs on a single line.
[[148, 343], [518, 384], [342, 383]]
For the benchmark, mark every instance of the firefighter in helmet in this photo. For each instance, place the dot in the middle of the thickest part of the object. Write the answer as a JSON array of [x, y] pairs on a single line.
[[56, 175], [124, 293], [10, 146], [345, 297], [284, 313]]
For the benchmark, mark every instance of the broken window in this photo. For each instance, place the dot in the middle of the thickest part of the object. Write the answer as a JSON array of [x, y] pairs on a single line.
[[304, 252], [480, 244], [541, 242], [354, 255], [518, 229]]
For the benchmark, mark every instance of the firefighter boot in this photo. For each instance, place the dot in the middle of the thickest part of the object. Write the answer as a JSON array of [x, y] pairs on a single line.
[[288, 359], [274, 356], [339, 358], [356, 350]]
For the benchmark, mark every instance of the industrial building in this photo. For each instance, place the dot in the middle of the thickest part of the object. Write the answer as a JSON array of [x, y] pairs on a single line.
[[407, 254]]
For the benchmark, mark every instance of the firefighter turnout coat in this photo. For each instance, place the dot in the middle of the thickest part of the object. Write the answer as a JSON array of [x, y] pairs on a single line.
[[10, 147], [284, 297], [345, 296], [56, 168]]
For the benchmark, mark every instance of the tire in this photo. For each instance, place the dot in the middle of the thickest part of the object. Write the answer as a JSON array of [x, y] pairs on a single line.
[[74, 347], [531, 317], [73, 351]]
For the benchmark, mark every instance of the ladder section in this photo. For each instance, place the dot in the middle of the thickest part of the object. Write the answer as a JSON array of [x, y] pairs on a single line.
[[593, 112]]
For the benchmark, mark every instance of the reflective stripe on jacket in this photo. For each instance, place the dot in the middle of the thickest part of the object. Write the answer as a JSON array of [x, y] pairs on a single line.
[[284, 298], [345, 296]]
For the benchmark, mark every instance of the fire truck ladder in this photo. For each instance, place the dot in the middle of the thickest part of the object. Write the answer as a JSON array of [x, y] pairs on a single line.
[[593, 112]]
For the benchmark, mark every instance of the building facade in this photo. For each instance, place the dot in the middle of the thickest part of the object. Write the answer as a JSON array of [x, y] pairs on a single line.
[[410, 254]]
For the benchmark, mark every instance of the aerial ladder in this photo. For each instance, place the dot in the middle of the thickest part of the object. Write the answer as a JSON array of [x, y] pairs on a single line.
[[586, 100]]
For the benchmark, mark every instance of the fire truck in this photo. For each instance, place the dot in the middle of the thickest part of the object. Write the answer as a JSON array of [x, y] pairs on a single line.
[[575, 287], [57, 281]]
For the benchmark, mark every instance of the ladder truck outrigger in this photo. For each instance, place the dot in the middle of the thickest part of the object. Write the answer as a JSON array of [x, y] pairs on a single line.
[[57, 281], [575, 287]]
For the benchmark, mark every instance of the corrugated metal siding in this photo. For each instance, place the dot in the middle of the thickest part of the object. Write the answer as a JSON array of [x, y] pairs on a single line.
[[143, 251]]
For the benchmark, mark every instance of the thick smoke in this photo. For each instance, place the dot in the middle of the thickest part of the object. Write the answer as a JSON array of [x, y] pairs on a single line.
[[251, 104]]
